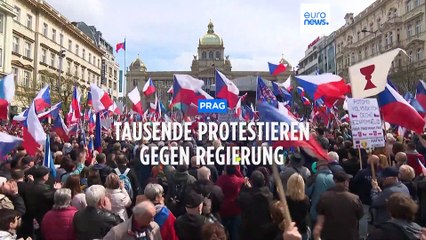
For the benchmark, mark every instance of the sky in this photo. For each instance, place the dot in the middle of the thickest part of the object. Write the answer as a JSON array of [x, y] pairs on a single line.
[[165, 34]]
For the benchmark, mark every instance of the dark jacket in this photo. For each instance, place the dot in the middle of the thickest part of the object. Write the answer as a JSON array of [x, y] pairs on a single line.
[[351, 166], [396, 229], [39, 200], [188, 226], [213, 192], [182, 179], [299, 211], [254, 204], [361, 185], [92, 223]]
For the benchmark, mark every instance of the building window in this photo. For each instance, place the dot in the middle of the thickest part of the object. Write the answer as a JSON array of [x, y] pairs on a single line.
[[45, 29], [1, 57], [410, 56], [52, 59], [77, 50], [15, 74], [76, 71], [84, 54], [409, 5], [99, 63], [1, 22], [359, 56], [61, 39], [390, 38], [204, 55], [90, 57], [27, 52], [15, 44], [29, 21], [69, 67], [386, 40], [218, 55], [418, 27], [18, 14], [417, 3], [26, 78], [365, 52], [409, 30], [419, 54], [210, 55], [69, 45], [43, 55], [94, 60], [54, 35]]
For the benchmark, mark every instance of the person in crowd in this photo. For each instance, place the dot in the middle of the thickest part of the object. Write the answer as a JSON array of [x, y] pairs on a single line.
[[10, 220], [406, 175], [322, 140], [401, 225], [189, 225], [230, 212], [96, 219], [140, 225], [338, 211], [78, 197], [177, 188], [391, 185], [104, 170], [298, 203], [39, 197], [351, 165], [194, 167], [71, 168], [213, 195], [57, 223], [111, 157], [128, 174], [383, 163], [317, 185], [334, 163], [343, 151], [361, 186], [414, 158], [254, 201], [163, 216], [295, 166], [119, 197], [10, 197], [213, 231], [400, 159]]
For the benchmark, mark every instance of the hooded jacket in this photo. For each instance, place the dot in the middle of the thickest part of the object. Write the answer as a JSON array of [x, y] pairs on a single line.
[[395, 229]]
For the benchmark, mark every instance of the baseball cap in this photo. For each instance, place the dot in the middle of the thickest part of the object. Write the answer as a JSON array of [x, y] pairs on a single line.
[[193, 200], [341, 176], [390, 172]]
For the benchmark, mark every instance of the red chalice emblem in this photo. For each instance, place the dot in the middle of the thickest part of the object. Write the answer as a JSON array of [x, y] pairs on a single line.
[[367, 71]]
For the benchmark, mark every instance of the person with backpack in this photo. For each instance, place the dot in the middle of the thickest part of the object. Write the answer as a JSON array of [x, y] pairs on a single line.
[[178, 188], [127, 175]]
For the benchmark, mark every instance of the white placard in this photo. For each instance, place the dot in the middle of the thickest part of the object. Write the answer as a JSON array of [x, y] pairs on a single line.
[[366, 124]]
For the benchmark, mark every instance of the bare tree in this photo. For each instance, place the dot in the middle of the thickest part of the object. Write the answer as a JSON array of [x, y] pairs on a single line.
[[405, 78]]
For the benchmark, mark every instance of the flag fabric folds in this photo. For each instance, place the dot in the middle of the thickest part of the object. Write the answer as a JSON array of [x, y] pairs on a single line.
[[148, 88], [324, 85], [98, 134], [395, 109], [48, 158], [76, 103], [61, 129], [135, 98], [275, 69], [264, 94], [8, 143], [279, 90], [33, 132], [89, 99], [369, 77], [119, 46], [186, 89], [7, 92], [42, 100], [421, 93], [100, 98], [226, 89]]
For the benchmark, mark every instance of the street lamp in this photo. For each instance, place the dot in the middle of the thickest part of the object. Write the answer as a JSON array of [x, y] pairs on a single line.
[[375, 34]]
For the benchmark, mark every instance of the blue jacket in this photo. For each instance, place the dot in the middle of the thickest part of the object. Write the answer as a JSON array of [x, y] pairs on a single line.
[[323, 182]]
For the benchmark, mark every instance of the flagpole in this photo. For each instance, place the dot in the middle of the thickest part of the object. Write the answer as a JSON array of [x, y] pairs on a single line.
[[124, 75]]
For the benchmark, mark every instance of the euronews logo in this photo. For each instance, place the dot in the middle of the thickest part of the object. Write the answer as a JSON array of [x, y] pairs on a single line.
[[315, 17], [212, 106]]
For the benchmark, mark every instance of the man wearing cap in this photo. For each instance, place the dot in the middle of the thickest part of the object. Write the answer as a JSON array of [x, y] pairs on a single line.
[[379, 197], [338, 211], [188, 226]]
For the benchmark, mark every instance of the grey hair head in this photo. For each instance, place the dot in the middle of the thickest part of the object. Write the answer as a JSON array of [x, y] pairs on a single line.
[[94, 194], [62, 198], [152, 190], [143, 207], [203, 173]]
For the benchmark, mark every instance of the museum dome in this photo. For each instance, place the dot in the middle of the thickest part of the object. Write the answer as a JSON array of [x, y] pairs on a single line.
[[210, 38], [138, 64]]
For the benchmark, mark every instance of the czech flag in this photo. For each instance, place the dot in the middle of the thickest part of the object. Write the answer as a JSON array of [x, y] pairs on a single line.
[[89, 99], [48, 158], [264, 94], [54, 111], [328, 86], [148, 88], [281, 91], [114, 109], [98, 133], [170, 90], [61, 129], [42, 100], [287, 84], [276, 69], [414, 103], [238, 110], [8, 143], [7, 91], [270, 114], [91, 122], [306, 101], [33, 132], [76, 103], [186, 89], [100, 98], [395, 110], [119, 46], [226, 89], [421, 93], [135, 98]]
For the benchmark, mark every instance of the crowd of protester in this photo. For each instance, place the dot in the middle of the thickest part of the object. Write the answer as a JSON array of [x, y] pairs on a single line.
[[356, 194]]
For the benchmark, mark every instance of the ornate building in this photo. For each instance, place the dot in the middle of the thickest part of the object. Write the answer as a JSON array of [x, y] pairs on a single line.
[[383, 26], [210, 55]]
